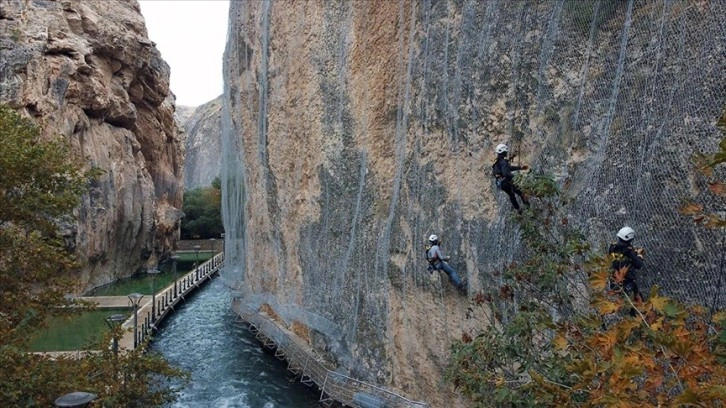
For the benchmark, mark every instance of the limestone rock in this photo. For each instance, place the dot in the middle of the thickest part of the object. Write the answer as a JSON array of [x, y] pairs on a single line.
[[203, 131], [358, 128], [86, 70]]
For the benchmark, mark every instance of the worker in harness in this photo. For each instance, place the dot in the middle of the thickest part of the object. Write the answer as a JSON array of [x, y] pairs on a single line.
[[437, 262], [502, 172], [626, 260]]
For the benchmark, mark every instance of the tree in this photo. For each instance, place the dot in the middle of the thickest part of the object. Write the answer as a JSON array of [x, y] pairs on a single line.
[[40, 188], [203, 212]]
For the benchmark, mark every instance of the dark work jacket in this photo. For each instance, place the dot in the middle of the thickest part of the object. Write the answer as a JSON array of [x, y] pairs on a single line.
[[502, 169], [623, 254]]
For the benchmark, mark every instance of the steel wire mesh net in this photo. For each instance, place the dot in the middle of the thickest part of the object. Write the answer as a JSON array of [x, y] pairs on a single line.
[[614, 98]]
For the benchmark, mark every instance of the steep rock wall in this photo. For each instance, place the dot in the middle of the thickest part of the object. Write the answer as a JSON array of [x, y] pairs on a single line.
[[352, 130], [86, 70], [203, 129]]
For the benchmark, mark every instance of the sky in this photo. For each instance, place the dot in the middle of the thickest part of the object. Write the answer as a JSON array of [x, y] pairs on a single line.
[[191, 36]]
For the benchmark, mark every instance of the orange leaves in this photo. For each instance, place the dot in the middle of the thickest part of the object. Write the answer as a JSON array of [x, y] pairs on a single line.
[[599, 279], [560, 342], [606, 306], [691, 209], [719, 317], [703, 164], [619, 275], [717, 187], [642, 361], [604, 342], [659, 303], [696, 211]]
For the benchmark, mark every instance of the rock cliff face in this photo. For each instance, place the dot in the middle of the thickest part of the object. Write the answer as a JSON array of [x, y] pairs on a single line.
[[352, 130], [87, 71], [203, 128]]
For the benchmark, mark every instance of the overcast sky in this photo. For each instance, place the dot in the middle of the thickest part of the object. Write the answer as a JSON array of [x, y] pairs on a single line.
[[191, 36]]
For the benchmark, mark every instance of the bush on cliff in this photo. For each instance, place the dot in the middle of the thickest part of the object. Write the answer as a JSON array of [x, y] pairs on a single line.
[[544, 347]]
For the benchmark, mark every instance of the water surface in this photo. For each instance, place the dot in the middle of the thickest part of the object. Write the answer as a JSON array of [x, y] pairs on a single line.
[[229, 367]]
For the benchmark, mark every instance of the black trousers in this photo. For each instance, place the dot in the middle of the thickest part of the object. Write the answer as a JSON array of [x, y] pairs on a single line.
[[508, 187]]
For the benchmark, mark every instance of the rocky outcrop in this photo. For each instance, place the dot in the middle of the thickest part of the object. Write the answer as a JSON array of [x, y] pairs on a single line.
[[87, 71], [203, 129], [183, 113], [352, 130]]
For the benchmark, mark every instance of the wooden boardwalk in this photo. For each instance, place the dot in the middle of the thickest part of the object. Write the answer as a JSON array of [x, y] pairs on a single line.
[[334, 386]]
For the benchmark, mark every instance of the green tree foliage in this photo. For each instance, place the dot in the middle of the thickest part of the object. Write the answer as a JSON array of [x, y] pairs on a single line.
[[203, 212], [40, 188], [132, 378], [559, 337]]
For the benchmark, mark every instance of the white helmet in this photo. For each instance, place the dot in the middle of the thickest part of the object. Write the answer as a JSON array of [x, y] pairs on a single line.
[[433, 238], [626, 234], [501, 148]]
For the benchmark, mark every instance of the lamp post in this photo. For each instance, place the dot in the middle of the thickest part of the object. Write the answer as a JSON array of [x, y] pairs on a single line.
[[153, 273], [135, 299], [75, 399], [113, 321], [174, 260], [196, 262], [196, 259]]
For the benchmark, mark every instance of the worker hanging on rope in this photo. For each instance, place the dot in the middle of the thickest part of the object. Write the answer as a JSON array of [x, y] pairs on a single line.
[[626, 260], [437, 262], [502, 172]]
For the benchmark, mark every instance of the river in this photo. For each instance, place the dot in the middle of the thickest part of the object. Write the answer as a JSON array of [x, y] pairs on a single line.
[[229, 367]]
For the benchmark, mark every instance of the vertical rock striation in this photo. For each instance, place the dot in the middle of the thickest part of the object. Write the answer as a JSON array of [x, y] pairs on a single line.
[[352, 130], [85, 70], [203, 128]]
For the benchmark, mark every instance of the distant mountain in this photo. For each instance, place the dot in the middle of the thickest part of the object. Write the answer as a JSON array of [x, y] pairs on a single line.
[[183, 113], [203, 128]]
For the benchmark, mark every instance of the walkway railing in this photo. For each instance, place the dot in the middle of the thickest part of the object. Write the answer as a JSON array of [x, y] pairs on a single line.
[[333, 386], [168, 297]]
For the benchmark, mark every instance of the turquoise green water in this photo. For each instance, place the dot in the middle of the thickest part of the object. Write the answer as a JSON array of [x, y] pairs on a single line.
[[144, 283], [68, 335], [74, 334]]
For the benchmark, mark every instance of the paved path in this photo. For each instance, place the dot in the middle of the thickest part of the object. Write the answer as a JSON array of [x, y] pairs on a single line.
[[108, 302]]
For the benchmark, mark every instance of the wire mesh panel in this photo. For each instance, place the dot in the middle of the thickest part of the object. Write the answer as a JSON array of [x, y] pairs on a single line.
[[612, 98], [647, 99]]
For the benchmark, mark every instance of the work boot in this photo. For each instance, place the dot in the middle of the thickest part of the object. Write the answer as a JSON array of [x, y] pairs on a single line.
[[463, 287]]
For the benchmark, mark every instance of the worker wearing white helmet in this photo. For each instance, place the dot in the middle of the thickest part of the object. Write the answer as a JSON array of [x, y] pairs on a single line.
[[437, 262], [502, 172], [626, 260]]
